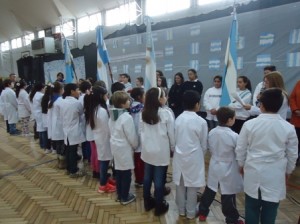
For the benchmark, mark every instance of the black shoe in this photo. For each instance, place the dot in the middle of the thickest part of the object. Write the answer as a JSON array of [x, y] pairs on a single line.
[[167, 191], [130, 198], [161, 208], [149, 204]]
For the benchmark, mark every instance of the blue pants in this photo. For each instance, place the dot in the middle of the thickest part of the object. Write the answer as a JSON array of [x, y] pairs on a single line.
[[71, 158], [157, 174], [258, 209], [103, 165], [86, 151], [123, 178], [45, 143], [12, 129]]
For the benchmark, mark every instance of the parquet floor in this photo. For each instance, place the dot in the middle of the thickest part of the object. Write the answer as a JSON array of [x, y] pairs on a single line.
[[32, 190]]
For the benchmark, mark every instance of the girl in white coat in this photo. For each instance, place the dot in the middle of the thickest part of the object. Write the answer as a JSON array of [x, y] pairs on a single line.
[[188, 161], [45, 113], [24, 109], [10, 109], [267, 161], [223, 169], [157, 139]]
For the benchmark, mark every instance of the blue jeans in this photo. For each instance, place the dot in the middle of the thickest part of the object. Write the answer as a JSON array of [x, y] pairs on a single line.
[[259, 210], [123, 178], [86, 151], [157, 174], [12, 129], [43, 139], [103, 165]]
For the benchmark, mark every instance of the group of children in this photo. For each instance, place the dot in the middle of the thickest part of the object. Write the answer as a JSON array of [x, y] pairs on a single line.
[[137, 131]]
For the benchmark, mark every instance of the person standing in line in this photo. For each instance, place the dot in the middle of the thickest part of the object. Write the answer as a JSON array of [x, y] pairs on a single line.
[[266, 162], [193, 83], [175, 95], [188, 162]]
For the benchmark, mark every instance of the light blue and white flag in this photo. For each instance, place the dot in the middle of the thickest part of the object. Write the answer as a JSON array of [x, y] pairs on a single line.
[[150, 70], [70, 68], [102, 57], [230, 73]]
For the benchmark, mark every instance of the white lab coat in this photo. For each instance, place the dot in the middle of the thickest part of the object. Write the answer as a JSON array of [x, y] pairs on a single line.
[[71, 112], [157, 140], [211, 101], [136, 119], [82, 118], [267, 148], [191, 145], [1, 105], [37, 111], [123, 140], [89, 133], [101, 131], [240, 112], [223, 168], [24, 107], [10, 103], [55, 120]]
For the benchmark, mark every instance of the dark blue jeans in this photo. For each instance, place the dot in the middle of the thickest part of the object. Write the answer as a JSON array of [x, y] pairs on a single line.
[[71, 158], [103, 165], [12, 129], [7, 126], [86, 151], [43, 138], [259, 210], [157, 174], [123, 178]]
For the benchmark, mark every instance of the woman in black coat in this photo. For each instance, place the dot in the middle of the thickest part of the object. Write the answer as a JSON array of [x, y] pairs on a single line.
[[175, 94]]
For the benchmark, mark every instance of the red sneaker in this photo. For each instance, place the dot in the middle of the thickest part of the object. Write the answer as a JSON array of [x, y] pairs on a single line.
[[241, 221], [202, 218], [111, 181], [108, 188]]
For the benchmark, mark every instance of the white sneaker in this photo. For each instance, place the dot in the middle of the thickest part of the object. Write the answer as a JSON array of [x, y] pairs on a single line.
[[47, 151], [53, 151]]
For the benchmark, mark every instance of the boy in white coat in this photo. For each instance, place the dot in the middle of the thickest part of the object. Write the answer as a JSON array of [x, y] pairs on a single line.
[[223, 169], [188, 161], [122, 142], [266, 152]]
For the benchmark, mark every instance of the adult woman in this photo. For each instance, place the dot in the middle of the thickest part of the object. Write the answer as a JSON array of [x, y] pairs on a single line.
[[175, 94]]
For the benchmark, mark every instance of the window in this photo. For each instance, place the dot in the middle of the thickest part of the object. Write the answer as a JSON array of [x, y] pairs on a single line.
[[28, 38], [16, 43], [123, 14], [41, 33], [160, 7], [95, 20], [5, 46], [57, 29], [68, 28], [88, 23], [206, 2]]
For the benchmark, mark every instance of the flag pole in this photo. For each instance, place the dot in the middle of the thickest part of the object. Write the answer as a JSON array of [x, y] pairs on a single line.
[[110, 73]]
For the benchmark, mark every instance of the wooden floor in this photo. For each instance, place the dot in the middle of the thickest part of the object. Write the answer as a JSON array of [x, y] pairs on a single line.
[[32, 190]]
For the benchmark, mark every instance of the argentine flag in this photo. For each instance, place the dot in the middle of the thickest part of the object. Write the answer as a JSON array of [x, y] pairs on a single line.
[[150, 71], [230, 73], [70, 69], [102, 57]]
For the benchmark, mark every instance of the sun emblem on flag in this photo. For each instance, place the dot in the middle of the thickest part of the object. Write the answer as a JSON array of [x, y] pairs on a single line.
[[99, 64]]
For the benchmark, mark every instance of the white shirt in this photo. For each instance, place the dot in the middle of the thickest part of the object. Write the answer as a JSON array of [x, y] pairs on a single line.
[[211, 101], [37, 111], [10, 103], [123, 140], [223, 169], [256, 92], [71, 112], [267, 148], [157, 140], [24, 109], [191, 145], [102, 135], [240, 112]]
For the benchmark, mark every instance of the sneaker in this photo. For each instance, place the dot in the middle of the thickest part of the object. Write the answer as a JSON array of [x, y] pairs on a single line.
[[15, 134], [149, 204], [202, 218], [77, 174], [161, 209], [138, 185], [167, 191], [111, 181], [117, 199], [130, 198], [29, 135], [47, 151], [54, 151], [240, 221], [108, 188]]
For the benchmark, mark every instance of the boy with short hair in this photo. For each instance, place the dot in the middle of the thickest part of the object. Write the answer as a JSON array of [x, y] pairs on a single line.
[[266, 153], [223, 169], [123, 140]]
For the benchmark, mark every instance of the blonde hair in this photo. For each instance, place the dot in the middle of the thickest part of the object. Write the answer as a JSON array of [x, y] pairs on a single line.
[[275, 80], [119, 98]]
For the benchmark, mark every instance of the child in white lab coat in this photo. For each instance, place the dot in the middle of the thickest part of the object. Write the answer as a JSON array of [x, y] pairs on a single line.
[[223, 169], [188, 161], [45, 113], [122, 142], [266, 152]]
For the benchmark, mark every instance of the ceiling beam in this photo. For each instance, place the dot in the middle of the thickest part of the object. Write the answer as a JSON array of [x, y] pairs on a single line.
[[62, 9]]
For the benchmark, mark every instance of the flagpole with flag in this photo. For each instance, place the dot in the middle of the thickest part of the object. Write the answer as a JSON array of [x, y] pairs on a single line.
[[102, 58], [230, 73], [69, 63], [150, 70]]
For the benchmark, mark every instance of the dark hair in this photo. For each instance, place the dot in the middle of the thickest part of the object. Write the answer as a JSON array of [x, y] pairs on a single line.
[[190, 98], [247, 81], [92, 102], [69, 88], [271, 68], [6, 83], [127, 76], [117, 86], [60, 74], [19, 85], [163, 82], [180, 75], [152, 104], [55, 90], [272, 99], [84, 86], [141, 80], [100, 83], [224, 114], [36, 88], [160, 73], [45, 99], [193, 71], [136, 93], [218, 77], [119, 98], [91, 80]]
